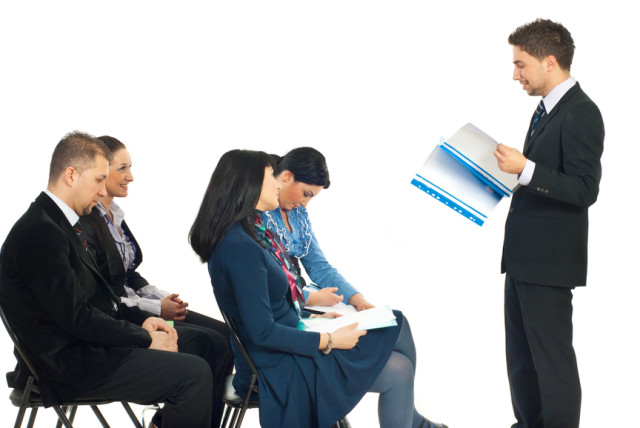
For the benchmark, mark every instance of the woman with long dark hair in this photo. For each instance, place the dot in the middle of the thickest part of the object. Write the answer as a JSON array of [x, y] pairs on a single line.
[[302, 174], [307, 379]]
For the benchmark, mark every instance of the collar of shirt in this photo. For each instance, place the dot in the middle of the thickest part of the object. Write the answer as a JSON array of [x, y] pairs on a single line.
[[557, 93], [70, 214], [116, 211]]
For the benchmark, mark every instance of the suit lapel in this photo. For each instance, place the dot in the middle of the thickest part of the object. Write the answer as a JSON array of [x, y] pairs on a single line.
[[544, 120], [58, 217], [138, 257]]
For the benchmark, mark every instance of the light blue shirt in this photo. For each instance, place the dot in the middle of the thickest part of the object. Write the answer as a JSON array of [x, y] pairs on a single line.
[[300, 242], [70, 214]]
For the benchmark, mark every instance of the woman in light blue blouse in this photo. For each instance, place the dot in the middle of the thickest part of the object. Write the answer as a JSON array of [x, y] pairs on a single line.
[[302, 174]]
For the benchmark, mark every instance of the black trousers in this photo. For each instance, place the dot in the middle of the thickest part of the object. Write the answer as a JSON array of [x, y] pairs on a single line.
[[541, 361], [182, 381], [221, 362]]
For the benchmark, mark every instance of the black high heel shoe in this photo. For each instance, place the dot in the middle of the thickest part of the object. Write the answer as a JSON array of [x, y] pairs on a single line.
[[426, 423]]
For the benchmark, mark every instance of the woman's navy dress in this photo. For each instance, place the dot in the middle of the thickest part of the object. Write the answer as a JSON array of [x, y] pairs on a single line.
[[299, 385]]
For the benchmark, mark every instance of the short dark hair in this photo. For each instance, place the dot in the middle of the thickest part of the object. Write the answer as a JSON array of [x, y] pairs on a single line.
[[78, 150], [112, 143], [543, 37], [307, 164], [231, 196]]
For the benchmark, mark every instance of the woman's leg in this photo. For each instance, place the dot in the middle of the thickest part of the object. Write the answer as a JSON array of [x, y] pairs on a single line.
[[395, 385]]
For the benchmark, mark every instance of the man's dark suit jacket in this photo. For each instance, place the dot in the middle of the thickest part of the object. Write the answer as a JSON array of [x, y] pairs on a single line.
[[60, 307], [546, 230], [107, 255]]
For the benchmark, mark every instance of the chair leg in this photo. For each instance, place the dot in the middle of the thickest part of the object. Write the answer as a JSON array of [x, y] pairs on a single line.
[[65, 410], [24, 402], [234, 418], [132, 415], [32, 417], [20, 416], [144, 413], [62, 417], [241, 416], [344, 423], [101, 418], [72, 413], [225, 419]]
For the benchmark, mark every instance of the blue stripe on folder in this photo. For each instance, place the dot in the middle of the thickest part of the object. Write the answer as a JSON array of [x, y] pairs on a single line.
[[449, 200], [496, 185]]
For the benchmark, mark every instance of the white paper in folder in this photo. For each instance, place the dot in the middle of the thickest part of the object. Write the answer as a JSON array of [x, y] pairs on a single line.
[[463, 174]]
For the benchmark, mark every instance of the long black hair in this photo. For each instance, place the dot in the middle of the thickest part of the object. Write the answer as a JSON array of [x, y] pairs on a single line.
[[232, 195], [307, 165]]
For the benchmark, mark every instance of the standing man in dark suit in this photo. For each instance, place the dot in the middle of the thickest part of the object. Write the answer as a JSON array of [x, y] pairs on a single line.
[[545, 244], [82, 342]]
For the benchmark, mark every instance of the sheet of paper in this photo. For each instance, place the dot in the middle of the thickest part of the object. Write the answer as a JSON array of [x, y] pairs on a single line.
[[378, 317], [447, 180], [475, 148]]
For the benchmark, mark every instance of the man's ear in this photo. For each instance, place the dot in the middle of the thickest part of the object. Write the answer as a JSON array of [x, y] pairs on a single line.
[[550, 63], [69, 176]]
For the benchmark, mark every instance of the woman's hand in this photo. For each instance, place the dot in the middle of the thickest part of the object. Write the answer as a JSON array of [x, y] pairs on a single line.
[[360, 302], [346, 337], [330, 315], [324, 297], [172, 308]]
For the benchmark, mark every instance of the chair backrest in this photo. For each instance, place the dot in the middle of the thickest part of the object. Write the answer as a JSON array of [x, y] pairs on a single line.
[[236, 339], [16, 343]]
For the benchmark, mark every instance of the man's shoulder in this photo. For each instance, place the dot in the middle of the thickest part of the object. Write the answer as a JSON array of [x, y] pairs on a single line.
[[35, 230], [577, 96]]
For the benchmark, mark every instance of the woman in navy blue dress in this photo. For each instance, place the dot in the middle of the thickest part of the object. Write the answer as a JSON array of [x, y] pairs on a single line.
[[307, 379]]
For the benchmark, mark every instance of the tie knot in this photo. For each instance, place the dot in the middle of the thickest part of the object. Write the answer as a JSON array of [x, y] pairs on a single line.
[[540, 108]]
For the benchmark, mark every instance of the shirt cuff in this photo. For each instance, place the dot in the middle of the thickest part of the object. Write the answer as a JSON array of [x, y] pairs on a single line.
[[149, 305], [527, 173], [152, 292]]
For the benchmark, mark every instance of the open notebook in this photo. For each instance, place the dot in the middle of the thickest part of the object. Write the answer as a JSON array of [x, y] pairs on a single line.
[[462, 173]]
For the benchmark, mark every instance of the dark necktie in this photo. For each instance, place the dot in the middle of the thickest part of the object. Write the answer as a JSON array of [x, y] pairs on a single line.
[[536, 116], [77, 228]]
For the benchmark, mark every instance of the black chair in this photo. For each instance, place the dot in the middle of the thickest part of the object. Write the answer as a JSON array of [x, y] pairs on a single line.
[[233, 401], [238, 404], [29, 396]]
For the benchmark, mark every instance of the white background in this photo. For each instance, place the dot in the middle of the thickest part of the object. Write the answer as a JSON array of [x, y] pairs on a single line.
[[373, 85]]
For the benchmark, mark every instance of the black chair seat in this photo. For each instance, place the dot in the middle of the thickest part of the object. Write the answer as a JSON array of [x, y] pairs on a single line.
[[233, 397], [34, 400]]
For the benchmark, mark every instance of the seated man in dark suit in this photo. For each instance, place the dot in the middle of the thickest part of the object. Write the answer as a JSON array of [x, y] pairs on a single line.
[[81, 340]]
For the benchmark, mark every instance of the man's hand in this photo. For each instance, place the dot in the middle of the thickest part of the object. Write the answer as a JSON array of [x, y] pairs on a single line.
[[172, 308], [360, 302], [163, 342], [163, 336], [324, 297], [153, 324], [510, 160]]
